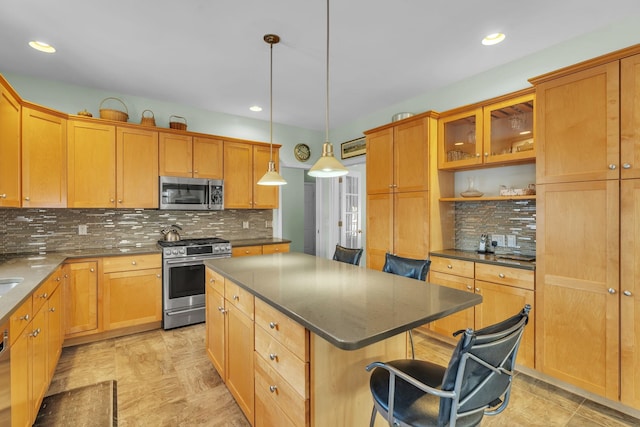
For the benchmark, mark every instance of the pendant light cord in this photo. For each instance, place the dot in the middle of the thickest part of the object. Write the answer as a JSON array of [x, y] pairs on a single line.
[[326, 120], [271, 103]]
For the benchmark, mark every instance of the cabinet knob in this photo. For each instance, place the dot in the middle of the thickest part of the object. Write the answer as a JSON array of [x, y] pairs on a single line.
[[91, 270], [119, 200], [478, 290], [236, 297], [470, 287], [611, 291], [3, 196], [44, 296], [486, 154], [449, 266], [35, 333], [133, 263], [273, 388], [112, 200], [501, 275], [27, 198], [57, 279], [612, 166], [626, 166], [246, 252], [25, 317], [627, 293], [158, 276], [273, 356], [222, 310], [273, 325], [52, 309], [477, 154]]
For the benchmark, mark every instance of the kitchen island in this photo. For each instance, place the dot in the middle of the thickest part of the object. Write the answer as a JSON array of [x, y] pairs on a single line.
[[352, 316]]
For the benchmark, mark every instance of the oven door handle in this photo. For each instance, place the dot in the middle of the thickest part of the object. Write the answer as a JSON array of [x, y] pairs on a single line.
[[186, 310], [193, 260]]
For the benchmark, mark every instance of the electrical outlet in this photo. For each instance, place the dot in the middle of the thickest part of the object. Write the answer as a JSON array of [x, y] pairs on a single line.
[[82, 229], [498, 238], [245, 224], [268, 224], [511, 241]]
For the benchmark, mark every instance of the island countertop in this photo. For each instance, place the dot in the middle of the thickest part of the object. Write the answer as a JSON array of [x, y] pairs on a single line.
[[350, 307]]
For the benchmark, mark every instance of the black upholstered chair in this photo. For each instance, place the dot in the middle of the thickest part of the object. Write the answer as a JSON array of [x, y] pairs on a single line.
[[347, 255], [408, 267], [477, 381]]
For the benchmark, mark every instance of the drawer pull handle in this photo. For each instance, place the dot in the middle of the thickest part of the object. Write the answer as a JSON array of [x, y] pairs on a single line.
[[273, 325], [627, 293], [501, 275], [449, 266], [273, 356], [273, 388], [25, 317]]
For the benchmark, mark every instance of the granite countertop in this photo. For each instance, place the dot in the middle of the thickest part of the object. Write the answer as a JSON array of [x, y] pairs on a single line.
[[238, 243], [488, 258], [36, 268], [348, 306]]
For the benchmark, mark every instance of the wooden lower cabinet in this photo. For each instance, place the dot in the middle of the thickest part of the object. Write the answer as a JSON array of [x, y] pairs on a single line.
[[215, 320], [35, 351], [132, 291], [260, 249], [80, 296], [504, 290], [239, 370]]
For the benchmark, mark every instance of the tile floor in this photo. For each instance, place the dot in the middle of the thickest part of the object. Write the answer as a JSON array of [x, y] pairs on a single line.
[[165, 379]]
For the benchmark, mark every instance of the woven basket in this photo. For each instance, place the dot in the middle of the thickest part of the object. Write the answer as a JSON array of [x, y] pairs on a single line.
[[117, 115], [177, 125], [148, 121]]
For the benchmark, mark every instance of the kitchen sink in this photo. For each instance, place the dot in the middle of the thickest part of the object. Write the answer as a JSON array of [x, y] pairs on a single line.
[[8, 283]]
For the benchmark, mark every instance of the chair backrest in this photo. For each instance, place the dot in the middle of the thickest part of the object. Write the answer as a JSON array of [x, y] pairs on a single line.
[[408, 267], [347, 255], [481, 368]]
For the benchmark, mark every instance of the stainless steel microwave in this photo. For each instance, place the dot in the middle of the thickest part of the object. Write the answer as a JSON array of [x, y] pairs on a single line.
[[195, 194]]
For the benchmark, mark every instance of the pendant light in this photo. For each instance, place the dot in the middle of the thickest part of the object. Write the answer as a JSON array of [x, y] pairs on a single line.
[[272, 177], [327, 165]]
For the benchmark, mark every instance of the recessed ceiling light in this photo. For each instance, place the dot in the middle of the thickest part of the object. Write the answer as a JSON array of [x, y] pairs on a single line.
[[255, 108], [492, 39], [42, 46]]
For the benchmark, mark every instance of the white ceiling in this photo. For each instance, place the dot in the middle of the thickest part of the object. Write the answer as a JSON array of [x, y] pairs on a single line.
[[211, 54]]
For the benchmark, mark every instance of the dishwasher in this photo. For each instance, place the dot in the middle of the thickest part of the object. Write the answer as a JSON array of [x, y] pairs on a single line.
[[5, 377]]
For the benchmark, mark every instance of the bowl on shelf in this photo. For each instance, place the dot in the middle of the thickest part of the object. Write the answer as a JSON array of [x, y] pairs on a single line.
[[471, 193]]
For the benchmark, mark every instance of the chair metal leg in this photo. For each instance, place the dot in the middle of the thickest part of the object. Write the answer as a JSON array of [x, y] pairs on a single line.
[[373, 416], [413, 353]]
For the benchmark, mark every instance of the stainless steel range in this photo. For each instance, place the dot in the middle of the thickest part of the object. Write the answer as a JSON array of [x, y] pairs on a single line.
[[183, 278]]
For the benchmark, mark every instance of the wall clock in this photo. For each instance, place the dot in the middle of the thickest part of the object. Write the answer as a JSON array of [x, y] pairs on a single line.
[[302, 152]]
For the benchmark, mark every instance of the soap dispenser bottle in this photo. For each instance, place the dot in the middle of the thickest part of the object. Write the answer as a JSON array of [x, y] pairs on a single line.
[[482, 248]]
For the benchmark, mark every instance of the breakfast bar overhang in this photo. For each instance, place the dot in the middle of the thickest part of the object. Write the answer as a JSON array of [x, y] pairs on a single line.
[[354, 315]]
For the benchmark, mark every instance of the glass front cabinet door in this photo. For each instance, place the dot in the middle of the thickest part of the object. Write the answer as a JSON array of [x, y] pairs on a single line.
[[460, 139]]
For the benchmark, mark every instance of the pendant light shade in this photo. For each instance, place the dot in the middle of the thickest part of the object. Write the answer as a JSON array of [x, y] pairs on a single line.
[[272, 177], [327, 165]]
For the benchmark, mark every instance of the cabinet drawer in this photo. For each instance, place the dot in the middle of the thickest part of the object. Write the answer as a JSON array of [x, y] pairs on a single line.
[[130, 262], [452, 266], [20, 319], [505, 275], [274, 249], [239, 298], [215, 280], [291, 334], [246, 250], [44, 291], [283, 361], [276, 397]]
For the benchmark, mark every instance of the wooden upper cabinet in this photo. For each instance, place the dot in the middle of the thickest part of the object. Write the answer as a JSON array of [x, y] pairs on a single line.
[[238, 174], [630, 117], [92, 165], [207, 157], [400, 156], [176, 155], [458, 136], [190, 156], [508, 130], [264, 196], [44, 159], [137, 168], [244, 165], [10, 111], [411, 156], [494, 132], [380, 159], [578, 134]]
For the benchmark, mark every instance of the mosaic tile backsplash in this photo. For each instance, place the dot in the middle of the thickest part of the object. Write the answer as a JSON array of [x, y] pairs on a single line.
[[517, 217], [41, 230]]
